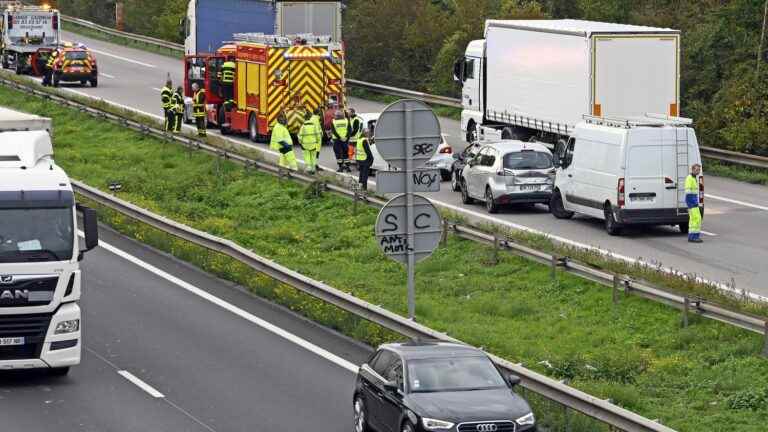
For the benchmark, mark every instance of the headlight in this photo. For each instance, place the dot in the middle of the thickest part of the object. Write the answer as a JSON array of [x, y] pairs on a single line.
[[432, 424], [527, 419], [70, 326]]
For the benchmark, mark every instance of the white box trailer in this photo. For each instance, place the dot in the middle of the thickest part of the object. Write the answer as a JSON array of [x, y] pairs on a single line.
[[540, 77], [24, 31]]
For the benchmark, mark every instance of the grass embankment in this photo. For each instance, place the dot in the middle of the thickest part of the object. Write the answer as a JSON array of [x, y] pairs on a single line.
[[708, 376], [736, 172], [119, 40]]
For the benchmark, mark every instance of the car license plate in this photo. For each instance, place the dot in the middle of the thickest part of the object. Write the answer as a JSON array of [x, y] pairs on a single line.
[[530, 188], [11, 341]]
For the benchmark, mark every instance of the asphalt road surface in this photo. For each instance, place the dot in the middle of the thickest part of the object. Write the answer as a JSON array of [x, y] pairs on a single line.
[[169, 348], [736, 242]]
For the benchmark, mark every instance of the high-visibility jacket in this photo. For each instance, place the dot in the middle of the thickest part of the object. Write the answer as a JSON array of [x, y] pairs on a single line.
[[198, 104], [228, 72], [340, 129], [280, 137], [360, 149], [357, 127], [177, 101], [309, 135], [165, 97], [691, 191], [318, 121], [51, 60]]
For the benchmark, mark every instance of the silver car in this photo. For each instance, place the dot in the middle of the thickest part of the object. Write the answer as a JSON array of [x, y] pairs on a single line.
[[508, 172]]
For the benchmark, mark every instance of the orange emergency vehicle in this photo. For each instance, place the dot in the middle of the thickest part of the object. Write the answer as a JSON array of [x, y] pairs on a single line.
[[74, 64], [274, 74]]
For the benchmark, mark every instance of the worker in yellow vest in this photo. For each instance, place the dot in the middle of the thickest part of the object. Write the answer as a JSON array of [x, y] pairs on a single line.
[[364, 157], [198, 109], [310, 139], [166, 94], [340, 133], [177, 100], [282, 142], [692, 202], [356, 126], [227, 79]]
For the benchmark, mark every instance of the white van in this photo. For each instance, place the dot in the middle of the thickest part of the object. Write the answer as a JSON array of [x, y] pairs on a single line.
[[627, 171]]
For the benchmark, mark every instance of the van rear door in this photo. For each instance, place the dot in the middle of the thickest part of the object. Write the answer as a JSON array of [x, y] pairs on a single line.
[[645, 178]]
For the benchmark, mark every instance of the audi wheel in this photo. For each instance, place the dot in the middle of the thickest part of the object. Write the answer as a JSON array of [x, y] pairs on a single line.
[[408, 427], [455, 184]]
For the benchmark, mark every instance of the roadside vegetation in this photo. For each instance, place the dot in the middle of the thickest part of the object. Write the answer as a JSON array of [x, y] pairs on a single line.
[[737, 172], [708, 376]]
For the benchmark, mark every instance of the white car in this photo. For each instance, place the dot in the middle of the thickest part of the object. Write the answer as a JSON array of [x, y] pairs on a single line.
[[442, 160]]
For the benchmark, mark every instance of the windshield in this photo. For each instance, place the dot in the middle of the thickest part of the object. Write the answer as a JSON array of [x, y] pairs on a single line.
[[527, 160], [76, 55], [453, 374], [36, 234]]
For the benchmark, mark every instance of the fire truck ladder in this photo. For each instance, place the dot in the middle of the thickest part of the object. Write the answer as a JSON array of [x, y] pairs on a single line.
[[681, 151]]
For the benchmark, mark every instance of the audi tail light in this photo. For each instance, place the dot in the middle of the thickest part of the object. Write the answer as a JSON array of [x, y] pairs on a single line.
[[621, 197], [701, 190], [446, 150]]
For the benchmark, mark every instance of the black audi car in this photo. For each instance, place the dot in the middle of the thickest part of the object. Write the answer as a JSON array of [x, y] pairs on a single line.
[[460, 159], [437, 386]]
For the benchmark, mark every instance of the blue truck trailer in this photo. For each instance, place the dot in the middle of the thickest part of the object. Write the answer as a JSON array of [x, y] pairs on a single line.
[[210, 23]]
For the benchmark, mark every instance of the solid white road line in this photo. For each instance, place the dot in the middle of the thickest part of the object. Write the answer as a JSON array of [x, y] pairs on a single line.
[[157, 89], [333, 358], [733, 201], [107, 75], [707, 233], [125, 59], [141, 384]]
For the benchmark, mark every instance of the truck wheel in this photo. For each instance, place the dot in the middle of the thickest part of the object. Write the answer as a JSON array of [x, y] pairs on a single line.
[[557, 208], [19, 69], [471, 133], [59, 372], [611, 226], [6, 65], [253, 128], [465, 198], [94, 82], [56, 79], [508, 134], [490, 204]]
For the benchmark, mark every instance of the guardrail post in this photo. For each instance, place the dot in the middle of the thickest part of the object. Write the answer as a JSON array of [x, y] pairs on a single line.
[[554, 268], [765, 342], [444, 234], [496, 245], [686, 305], [616, 281]]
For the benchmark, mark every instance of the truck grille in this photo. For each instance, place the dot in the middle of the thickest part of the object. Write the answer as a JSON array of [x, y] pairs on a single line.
[[490, 426], [32, 327], [28, 291]]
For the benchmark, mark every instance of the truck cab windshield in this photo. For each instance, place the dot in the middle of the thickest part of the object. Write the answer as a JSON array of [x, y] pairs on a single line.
[[36, 234]]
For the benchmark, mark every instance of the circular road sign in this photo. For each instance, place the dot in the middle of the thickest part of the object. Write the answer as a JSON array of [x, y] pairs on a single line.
[[407, 129], [392, 231]]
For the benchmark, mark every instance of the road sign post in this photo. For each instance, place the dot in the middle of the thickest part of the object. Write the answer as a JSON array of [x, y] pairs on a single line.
[[409, 227]]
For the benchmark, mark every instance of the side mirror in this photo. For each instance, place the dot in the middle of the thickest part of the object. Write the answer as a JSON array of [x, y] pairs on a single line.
[[391, 386], [513, 380], [90, 227], [458, 69]]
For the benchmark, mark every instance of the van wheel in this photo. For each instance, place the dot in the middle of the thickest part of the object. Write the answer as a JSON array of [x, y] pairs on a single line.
[[557, 208], [465, 198], [490, 203], [611, 226], [683, 227]]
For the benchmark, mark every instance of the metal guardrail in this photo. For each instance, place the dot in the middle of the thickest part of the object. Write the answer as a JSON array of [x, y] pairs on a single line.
[[707, 152], [589, 405], [136, 37]]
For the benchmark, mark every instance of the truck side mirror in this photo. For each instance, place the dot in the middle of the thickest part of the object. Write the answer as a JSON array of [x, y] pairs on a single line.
[[458, 70], [90, 227]]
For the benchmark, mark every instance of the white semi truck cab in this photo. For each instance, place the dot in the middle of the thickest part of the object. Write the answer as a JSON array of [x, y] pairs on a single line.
[[40, 279]]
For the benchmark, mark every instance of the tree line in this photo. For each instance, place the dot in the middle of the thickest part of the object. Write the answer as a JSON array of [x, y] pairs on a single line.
[[414, 43]]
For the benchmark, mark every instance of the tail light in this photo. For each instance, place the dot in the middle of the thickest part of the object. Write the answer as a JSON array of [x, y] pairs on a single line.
[[701, 190], [620, 197], [668, 180], [55, 22], [446, 150]]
